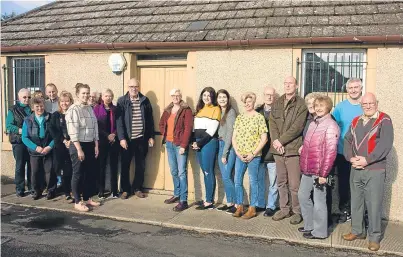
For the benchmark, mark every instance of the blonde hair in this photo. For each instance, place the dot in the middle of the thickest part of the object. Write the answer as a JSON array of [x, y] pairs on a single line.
[[311, 96], [65, 94], [108, 90], [324, 99], [247, 95]]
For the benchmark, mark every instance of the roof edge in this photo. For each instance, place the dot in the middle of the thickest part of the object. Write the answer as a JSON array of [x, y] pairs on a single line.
[[386, 39]]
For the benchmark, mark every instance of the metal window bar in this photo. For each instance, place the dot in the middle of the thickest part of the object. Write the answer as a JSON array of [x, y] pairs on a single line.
[[28, 73], [328, 71]]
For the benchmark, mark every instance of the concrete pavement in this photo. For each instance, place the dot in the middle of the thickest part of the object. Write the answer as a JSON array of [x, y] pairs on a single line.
[[152, 210]]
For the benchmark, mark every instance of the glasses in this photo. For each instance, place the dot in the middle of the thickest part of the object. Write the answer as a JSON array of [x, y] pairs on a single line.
[[176, 96], [368, 104], [25, 97]]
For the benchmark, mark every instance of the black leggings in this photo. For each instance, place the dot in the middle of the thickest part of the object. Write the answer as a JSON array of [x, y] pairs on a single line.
[[62, 161], [83, 180], [111, 151]]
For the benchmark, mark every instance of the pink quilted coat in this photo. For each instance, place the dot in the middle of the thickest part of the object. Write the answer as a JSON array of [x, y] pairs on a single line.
[[320, 147]]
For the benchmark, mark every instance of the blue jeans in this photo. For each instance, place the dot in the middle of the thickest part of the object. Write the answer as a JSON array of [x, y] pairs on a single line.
[[272, 197], [253, 171], [206, 158], [226, 171], [178, 167]]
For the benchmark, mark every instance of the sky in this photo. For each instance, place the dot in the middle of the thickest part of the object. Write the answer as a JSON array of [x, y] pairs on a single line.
[[8, 6]]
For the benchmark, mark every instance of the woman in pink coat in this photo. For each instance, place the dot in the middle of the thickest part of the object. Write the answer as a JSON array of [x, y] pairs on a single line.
[[318, 154]]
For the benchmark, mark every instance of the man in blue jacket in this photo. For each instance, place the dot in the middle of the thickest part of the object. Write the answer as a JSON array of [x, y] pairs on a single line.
[[14, 121], [135, 131]]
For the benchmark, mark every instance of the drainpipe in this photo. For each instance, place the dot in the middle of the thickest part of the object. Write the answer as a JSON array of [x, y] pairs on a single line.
[[386, 39]]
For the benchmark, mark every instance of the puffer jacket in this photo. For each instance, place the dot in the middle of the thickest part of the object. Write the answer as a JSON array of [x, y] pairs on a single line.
[[320, 147]]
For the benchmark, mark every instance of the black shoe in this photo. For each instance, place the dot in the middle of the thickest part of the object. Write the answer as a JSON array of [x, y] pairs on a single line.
[[208, 207], [344, 217], [231, 210], [224, 208], [269, 212], [50, 195], [181, 206], [303, 230], [20, 194], [36, 195], [260, 209], [308, 235], [101, 195]]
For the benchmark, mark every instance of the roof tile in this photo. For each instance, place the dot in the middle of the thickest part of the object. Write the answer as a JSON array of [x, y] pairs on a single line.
[[299, 31], [255, 22], [216, 35], [389, 8], [303, 11], [245, 14], [322, 31], [295, 20], [366, 9], [344, 10], [196, 36], [211, 7], [261, 32], [226, 15], [179, 36], [275, 21], [264, 12], [362, 19], [317, 20], [340, 20], [227, 6], [283, 12], [324, 10], [233, 34], [278, 32], [345, 31], [218, 24]]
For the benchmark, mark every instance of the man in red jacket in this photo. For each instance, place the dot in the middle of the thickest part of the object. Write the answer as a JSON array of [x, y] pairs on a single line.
[[366, 146]]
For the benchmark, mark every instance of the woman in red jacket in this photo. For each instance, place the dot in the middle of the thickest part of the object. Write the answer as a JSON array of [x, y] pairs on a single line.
[[317, 157], [176, 126]]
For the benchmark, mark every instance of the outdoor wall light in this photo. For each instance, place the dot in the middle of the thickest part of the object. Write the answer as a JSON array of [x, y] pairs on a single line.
[[117, 63]]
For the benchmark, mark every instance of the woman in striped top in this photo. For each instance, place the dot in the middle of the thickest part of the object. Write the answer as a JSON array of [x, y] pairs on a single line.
[[206, 122], [82, 127]]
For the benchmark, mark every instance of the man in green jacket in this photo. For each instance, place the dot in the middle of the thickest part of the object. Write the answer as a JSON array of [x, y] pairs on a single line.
[[286, 123]]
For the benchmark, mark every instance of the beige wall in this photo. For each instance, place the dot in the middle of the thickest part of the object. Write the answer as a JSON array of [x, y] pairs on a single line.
[[65, 70], [237, 71], [389, 74]]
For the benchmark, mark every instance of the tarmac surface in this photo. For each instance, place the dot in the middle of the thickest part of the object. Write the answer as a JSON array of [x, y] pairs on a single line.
[[32, 232], [151, 210]]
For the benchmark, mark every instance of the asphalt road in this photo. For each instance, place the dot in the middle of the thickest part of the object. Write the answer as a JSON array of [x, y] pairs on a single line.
[[30, 232]]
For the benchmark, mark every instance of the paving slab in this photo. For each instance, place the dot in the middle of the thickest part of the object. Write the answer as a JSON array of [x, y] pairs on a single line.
[[391, 243]]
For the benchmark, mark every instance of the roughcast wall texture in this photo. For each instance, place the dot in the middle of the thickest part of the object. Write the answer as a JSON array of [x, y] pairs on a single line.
[[389, 92]]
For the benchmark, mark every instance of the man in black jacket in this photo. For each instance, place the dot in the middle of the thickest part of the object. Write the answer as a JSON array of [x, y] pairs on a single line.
[[15, 118], [135, 131]]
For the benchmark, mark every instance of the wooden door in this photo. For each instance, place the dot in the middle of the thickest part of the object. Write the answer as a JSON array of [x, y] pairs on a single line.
[[155, 83]]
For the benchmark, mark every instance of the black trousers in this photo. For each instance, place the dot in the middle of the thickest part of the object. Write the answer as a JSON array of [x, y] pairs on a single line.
[[84, 172], [41, 165], [21, 157], [111, 151], [138, 148], [343, 168], [62, 161]]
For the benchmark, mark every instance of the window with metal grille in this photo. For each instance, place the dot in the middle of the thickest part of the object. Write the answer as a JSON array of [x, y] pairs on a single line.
[[327, 71], [28, 73]]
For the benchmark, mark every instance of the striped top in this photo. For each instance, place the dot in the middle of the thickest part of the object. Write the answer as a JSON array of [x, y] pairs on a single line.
[[82, 125], [137, 120], [206, 124]]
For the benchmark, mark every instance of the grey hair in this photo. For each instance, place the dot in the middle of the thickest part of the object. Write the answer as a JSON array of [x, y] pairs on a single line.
[[22, 90], [353, 80], [108, 90]]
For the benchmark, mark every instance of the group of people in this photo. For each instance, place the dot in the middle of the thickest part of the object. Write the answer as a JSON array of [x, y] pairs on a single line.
[[299, 143]]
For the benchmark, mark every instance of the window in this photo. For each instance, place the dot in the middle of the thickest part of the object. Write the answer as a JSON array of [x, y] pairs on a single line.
[[327, 71], [28, 73]]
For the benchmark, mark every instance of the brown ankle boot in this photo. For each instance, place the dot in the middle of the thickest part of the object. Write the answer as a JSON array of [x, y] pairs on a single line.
[[251, 213], [239, 211]]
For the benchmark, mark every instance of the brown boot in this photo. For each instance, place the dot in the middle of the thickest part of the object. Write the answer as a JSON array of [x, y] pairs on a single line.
[[251, 213], [239, 211], [352, 237]]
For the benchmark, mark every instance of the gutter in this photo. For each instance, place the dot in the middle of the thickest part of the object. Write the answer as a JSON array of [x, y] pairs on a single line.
[[386, 39]]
